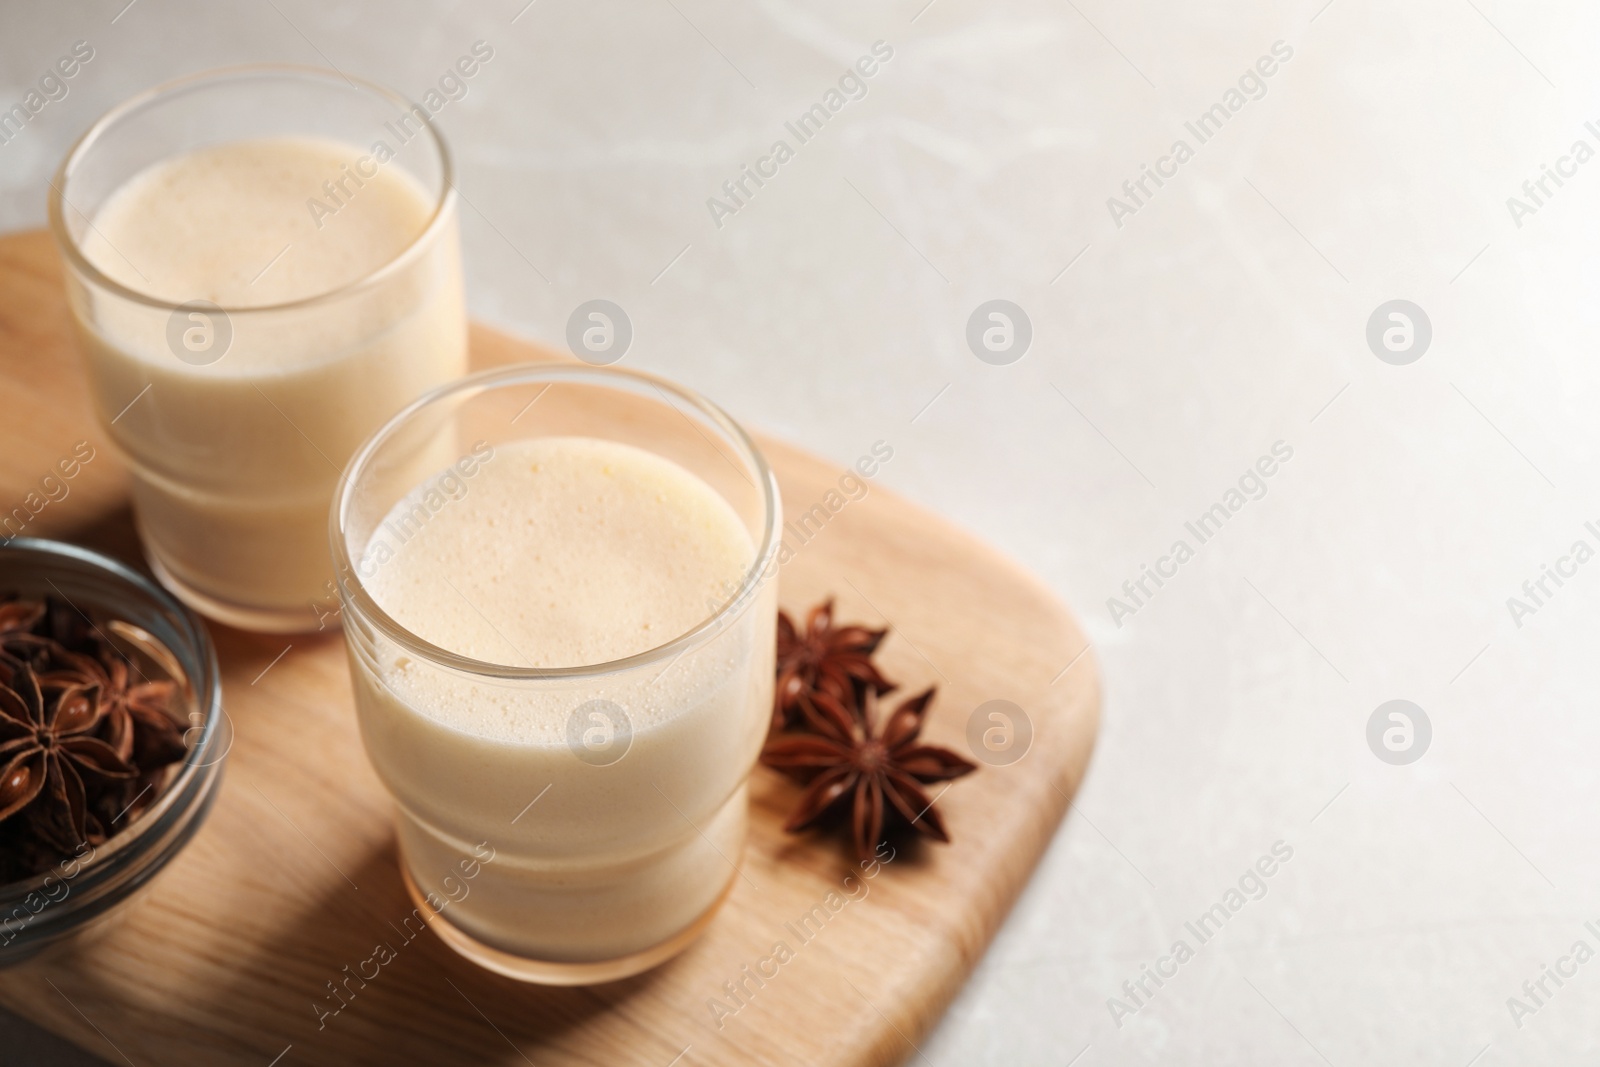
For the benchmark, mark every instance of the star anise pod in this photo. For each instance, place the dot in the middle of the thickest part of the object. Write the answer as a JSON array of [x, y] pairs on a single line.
[[138, 726], [46, 750], [846, 760], [20, 615], [42, 654], [823, 659], [72, 629]]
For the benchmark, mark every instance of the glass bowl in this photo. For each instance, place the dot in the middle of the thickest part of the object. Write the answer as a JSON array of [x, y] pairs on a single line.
[[84, 891]]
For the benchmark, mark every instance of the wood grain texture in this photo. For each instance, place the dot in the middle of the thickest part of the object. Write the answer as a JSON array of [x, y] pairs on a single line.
[[294, 878]]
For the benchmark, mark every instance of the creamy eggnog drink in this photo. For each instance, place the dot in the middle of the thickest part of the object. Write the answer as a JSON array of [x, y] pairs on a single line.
[[250, 311], [562, 651], [613, 802]]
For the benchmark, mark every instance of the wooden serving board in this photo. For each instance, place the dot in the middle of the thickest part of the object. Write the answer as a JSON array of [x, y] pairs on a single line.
[[293, 878]]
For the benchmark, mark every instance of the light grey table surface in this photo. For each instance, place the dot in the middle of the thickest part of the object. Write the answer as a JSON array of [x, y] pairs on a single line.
[[1174, 343]]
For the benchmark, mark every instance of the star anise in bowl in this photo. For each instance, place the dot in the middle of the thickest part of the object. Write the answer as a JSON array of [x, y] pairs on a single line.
[[822, 658], [849, 763], [85, 746]]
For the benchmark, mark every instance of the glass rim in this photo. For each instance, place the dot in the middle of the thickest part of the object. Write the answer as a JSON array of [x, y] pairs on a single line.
[[443, 203], [354, 594]]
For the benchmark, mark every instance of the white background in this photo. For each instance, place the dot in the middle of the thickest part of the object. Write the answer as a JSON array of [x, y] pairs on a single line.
[[1227, 314]]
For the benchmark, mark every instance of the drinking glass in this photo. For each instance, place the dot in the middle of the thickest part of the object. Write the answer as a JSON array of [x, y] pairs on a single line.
[[236, 421], [603, 847]]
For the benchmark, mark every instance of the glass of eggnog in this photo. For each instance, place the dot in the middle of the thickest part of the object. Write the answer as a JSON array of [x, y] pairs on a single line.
[[263, 266], [558, 597]]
